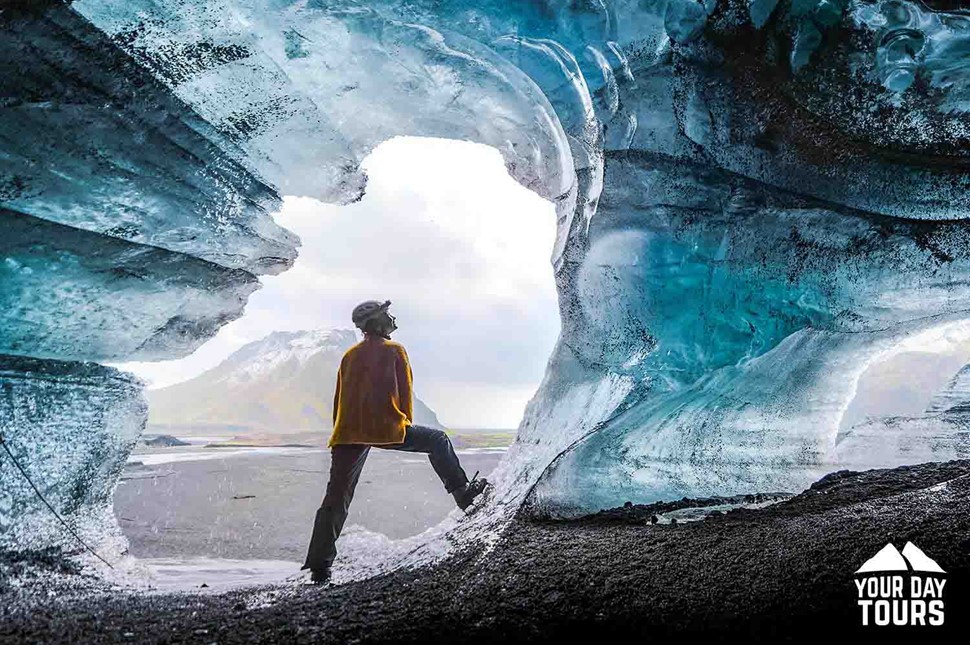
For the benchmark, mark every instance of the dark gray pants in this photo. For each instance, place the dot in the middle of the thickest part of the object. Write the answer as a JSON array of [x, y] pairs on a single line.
[[346, 464]]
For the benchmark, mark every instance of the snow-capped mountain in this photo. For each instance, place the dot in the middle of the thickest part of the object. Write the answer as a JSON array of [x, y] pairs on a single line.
[[282, 384]]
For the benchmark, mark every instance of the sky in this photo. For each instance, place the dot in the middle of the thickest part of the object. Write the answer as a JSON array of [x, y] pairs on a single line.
[[459, 247]]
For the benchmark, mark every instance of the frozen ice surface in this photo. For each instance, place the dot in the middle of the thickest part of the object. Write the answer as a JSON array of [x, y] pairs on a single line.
[[70, 426], [131, 228], [76, 295], [756, 200], [90, 140]]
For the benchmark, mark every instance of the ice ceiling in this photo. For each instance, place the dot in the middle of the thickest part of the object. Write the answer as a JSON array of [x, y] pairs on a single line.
[[756, 199]]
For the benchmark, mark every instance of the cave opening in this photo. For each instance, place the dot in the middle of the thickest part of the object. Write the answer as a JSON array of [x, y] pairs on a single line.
[[463, 252]]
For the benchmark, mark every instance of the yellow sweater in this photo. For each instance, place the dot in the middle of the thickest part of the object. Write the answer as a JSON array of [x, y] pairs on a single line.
[[372, 403]]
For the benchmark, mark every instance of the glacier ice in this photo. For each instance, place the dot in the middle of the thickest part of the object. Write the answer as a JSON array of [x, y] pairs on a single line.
[[93, 142], [120, 206], [129, 227], [72, 294], [756, 200], [70, 425]]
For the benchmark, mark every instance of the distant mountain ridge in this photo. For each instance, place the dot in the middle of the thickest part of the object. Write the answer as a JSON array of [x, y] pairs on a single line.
[[282, 384]]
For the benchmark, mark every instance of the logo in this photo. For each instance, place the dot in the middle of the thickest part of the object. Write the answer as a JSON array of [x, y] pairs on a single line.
[[901, 588]]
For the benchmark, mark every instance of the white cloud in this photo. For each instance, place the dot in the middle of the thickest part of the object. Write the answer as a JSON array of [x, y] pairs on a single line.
[[460, 248]]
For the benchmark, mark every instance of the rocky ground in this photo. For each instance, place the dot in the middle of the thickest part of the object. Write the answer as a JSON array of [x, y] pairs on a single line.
[[779, 573]]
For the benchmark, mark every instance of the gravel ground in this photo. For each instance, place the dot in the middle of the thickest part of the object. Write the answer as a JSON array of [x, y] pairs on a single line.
[[778, 573]]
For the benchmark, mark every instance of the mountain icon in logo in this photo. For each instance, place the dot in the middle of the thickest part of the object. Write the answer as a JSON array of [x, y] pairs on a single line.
[[890, 559]]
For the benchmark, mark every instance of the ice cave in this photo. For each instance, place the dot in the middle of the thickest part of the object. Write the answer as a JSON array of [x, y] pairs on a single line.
[[756, 200]]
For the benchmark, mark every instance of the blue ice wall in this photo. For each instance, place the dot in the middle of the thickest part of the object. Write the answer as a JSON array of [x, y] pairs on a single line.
[[70, 425], [756, 198], [141, 209], [129, 228]]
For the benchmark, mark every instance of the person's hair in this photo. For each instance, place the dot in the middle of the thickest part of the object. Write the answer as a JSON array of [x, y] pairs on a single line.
[[373, 325]]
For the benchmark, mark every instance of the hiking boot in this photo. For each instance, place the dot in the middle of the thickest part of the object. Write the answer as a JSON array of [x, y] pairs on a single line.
[[465, 495], [319, 576]]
